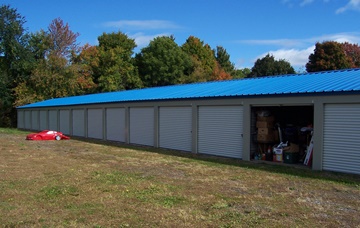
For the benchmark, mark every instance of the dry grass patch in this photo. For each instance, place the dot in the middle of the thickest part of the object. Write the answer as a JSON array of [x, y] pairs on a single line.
[[89, 184]]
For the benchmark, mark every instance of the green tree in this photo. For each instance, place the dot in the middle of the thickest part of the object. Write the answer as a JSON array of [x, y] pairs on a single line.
[[54, 75], [14, 60], [203, 60], [268, 66], [116, 70], [223, 58], [329, 55], [162, 62], [242, 73]]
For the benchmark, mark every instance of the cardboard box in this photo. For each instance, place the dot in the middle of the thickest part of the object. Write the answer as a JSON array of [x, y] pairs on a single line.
[[265, 138], [265, 118], [264, 124], [265, 131]]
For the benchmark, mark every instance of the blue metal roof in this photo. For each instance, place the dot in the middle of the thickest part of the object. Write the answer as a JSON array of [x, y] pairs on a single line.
[[319, 82]]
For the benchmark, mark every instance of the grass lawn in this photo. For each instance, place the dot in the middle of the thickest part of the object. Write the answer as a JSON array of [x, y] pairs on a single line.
[[74, 183]]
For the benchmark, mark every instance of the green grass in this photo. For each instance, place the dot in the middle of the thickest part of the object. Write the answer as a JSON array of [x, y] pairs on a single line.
[[92, 183]]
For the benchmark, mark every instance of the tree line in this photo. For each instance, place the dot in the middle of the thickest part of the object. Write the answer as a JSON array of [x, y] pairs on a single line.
[[50, 63]]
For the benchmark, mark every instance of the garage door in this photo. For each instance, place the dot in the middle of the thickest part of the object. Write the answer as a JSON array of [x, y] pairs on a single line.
[[28, 120], [142, 126], [78, 125], [35, 120], [20, 120], [43, 120], [220, 130], [175, 128], [65, 121], [53, 120], [342, 138], [95, 123], [115, 124]]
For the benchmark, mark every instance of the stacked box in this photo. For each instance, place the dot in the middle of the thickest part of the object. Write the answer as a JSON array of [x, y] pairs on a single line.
[[265, 126]]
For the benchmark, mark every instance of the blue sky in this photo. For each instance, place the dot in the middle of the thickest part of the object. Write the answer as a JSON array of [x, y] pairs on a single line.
[[248, 30]]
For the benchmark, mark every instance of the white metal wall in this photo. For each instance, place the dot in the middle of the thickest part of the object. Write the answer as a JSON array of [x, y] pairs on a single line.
[[115, 124], [175, 128], [43, 120], [65, 121], [78, 122], [20, 120], [342, 138], [220, 130], [142, 126], [27, 119], [95, 123]]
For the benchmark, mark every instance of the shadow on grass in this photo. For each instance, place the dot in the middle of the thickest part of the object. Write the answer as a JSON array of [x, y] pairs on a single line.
[[298, 170]]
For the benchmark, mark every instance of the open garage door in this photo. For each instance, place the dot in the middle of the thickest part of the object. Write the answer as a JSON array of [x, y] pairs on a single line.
[[342, 138], [220, 130], [175, 128]]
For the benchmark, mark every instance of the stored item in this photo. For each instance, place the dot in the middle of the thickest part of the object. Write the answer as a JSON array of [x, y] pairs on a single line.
[[291, 157], [278, 154]]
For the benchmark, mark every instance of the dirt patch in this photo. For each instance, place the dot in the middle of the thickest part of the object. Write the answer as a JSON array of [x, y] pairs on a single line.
[[82, 184]]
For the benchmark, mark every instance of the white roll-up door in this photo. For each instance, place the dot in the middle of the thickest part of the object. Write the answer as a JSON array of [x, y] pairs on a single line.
[[43, 120], [78, 124], [20, 120], [115, 124], [53, 120], [142, 126], [220, 130], [342, 138], [27, 119], [95, 123], [65, 121], [35, 120], [175, 128]]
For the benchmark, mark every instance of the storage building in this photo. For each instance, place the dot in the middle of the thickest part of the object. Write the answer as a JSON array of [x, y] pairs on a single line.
[[241, 119]]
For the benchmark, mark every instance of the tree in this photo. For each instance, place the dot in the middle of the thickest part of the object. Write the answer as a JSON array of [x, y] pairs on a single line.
[[162, 62], [268, 66], [62, 39], [223, 58], [203, 60], [241, 73], [329, 55], [54, 75], [13, 60], [352, 51], [116, 70]]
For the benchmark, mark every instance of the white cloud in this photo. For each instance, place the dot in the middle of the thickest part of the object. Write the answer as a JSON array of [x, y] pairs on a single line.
[[351, 5], [277, 42], [296, 57], [141, 24], [306, 2], [143, 40], [297, 51]]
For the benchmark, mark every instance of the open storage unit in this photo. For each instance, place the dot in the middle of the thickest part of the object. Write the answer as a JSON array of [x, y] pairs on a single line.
[[281, 133]]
